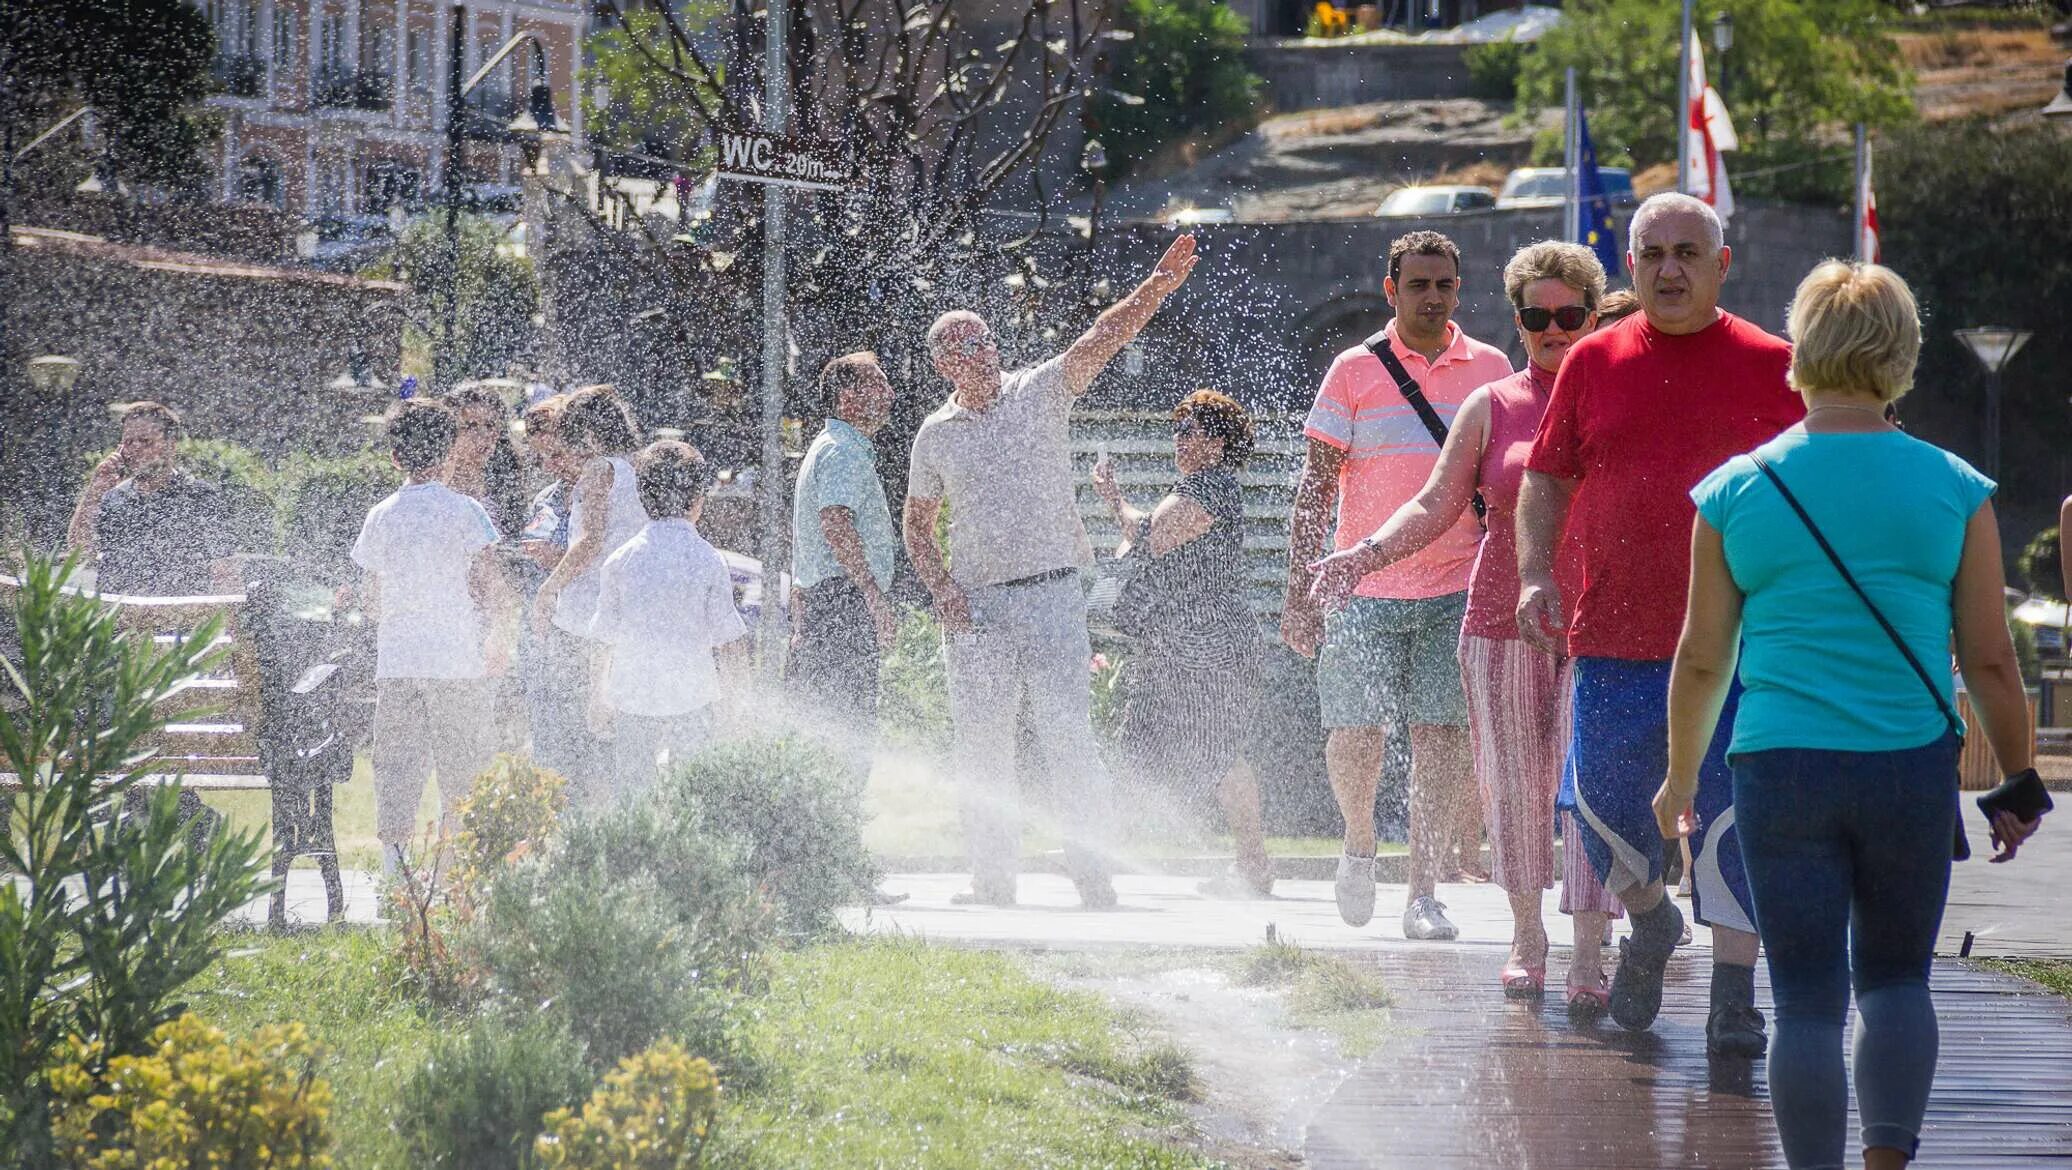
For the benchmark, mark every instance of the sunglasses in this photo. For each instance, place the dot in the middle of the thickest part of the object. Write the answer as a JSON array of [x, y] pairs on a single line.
[[977, 343], [1536, 319]]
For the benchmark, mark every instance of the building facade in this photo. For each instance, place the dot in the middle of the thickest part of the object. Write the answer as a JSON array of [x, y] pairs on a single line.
[[335, 110]]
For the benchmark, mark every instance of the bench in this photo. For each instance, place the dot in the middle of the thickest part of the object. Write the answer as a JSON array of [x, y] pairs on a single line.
[[258, 735]]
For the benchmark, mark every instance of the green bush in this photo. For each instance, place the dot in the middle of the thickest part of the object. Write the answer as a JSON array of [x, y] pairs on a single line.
[[653, 1112], [1493, 68], [799, 813], [1188, 66], [106, 916], [611, 956], [2041, 567], [196, 1099], [478, 1100], [914, 689]]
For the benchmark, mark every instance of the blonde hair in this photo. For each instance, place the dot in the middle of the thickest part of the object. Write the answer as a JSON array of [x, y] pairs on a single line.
[[1854, 328], [1571, 264]]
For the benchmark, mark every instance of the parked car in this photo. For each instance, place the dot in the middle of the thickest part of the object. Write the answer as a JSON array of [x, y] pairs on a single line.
[[1548, 186], [1190, 216], [1436, 201]]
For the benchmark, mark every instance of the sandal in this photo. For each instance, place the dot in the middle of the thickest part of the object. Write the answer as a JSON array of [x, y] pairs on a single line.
[[1586, 1004], [1525, 980]]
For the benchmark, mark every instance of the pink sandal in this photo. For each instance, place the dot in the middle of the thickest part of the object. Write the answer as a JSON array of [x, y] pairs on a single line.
[[1523, 982], [1589, 1003]]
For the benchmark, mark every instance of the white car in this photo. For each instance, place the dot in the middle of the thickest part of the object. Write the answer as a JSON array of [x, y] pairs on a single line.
[[1408, 201], [1548, 186]]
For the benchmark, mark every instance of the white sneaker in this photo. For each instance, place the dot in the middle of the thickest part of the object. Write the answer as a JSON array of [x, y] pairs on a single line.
[[1426, 920], [1355, 889]]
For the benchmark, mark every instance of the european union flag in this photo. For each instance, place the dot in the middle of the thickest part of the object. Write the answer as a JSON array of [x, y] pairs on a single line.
[[1595, 218]]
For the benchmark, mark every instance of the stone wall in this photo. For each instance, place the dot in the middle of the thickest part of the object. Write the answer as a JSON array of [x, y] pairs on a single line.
[[242, 350], [1270, 304], [1310, 75]]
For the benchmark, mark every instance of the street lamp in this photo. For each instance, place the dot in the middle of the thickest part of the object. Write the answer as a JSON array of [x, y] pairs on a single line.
[[1993, 346], [53, 373], [1722, 40], [2060, 107], [537, 118]]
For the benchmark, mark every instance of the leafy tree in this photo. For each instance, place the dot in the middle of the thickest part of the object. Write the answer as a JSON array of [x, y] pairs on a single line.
[[1796, 67], [1184, 74], [1978, 218], [113, 911], [141, 64], [655, 110], [497, 290]]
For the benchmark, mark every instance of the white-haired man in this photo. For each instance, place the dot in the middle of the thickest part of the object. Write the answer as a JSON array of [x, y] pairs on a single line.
[[1641, 412], [1009, 600]]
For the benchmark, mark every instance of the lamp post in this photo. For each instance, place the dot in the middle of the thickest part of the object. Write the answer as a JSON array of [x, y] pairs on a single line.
[[2060, 107], [53, 374], [1993, 346], [537, 118]]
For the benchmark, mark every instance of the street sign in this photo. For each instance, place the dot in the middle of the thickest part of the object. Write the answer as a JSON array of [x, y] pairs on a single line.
[[762, 157]]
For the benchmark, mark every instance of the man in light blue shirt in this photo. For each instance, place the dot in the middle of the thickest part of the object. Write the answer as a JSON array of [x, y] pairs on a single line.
[[842, 543]]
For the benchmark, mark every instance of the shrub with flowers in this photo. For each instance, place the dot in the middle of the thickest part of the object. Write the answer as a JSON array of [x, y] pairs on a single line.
[[196, 1101], [653, 1112], [1328, 20], [509, 811]]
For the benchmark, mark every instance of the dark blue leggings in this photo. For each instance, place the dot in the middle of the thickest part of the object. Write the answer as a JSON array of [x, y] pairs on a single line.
[[1848, 857]]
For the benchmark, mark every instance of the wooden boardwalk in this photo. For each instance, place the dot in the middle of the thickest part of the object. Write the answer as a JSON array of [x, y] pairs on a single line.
[[1478, 1082]]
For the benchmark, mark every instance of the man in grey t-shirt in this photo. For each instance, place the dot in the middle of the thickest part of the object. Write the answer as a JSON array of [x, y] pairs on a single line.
[[1009, 598]]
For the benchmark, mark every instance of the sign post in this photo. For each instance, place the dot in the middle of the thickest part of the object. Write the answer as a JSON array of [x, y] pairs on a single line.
[[770, 637]]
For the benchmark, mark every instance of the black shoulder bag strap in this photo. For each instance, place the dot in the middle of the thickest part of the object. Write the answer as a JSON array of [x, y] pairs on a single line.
[[1379, 346], [1963, 848]]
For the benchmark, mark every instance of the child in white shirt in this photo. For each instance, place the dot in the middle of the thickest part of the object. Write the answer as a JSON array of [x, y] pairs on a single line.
[[432, 583], [665, 604]]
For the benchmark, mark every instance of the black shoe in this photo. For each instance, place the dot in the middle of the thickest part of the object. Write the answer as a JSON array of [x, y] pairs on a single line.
[[1096, 893], [1637, 984], [1736, 1032]]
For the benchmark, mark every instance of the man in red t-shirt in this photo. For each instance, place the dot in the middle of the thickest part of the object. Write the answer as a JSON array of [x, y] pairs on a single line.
[[1640, 413]]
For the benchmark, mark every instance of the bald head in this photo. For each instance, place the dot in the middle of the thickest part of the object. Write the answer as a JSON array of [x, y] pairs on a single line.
[[1679, 263]]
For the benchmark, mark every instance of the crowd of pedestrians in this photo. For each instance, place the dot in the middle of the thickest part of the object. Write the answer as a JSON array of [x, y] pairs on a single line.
[[1676, 580]]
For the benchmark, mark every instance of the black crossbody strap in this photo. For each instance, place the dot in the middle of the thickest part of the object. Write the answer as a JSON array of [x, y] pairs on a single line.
[[1412, 393], [1920, 672]]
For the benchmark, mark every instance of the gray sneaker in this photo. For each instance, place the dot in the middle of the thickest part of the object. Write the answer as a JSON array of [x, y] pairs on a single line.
[[1426, 919], [1355, 889]]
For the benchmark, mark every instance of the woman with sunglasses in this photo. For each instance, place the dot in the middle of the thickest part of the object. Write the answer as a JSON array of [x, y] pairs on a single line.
[[1193, 679], [1517, 696]]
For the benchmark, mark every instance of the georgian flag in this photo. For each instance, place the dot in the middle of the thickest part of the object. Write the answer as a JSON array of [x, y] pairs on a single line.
[[1708, 132], [1869, 248]]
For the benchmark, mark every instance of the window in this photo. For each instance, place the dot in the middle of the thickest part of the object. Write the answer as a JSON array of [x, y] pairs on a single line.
[[334, 48], [286, 50], [259, 181], [419, 61], [386, 184]]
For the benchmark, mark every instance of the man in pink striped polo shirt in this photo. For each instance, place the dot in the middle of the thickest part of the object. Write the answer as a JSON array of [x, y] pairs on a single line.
[[1390, 655]]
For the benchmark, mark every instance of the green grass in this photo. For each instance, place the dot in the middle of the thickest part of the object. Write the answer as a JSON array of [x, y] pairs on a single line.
[[2053, 974], [870, 1053], [1345, 998], [338, 982]]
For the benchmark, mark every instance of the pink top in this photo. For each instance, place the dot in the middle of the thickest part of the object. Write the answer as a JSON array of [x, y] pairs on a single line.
[[1389, 454], [1516, 405]]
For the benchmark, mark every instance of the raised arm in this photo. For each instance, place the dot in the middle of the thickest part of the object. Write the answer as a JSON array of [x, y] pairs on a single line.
[[1123, 320], [1422, 519], [1309, 531], [917, 528], [1543, 504]]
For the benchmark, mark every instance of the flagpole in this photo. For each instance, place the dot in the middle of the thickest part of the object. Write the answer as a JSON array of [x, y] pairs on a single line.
[[1863, 162], [1572, 205], [1683, 103]]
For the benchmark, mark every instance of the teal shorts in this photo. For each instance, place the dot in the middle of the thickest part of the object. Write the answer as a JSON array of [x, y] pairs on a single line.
[[1387, 661]]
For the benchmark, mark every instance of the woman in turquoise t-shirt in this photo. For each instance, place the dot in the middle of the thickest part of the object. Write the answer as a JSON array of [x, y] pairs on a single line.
[[1845, 790]]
